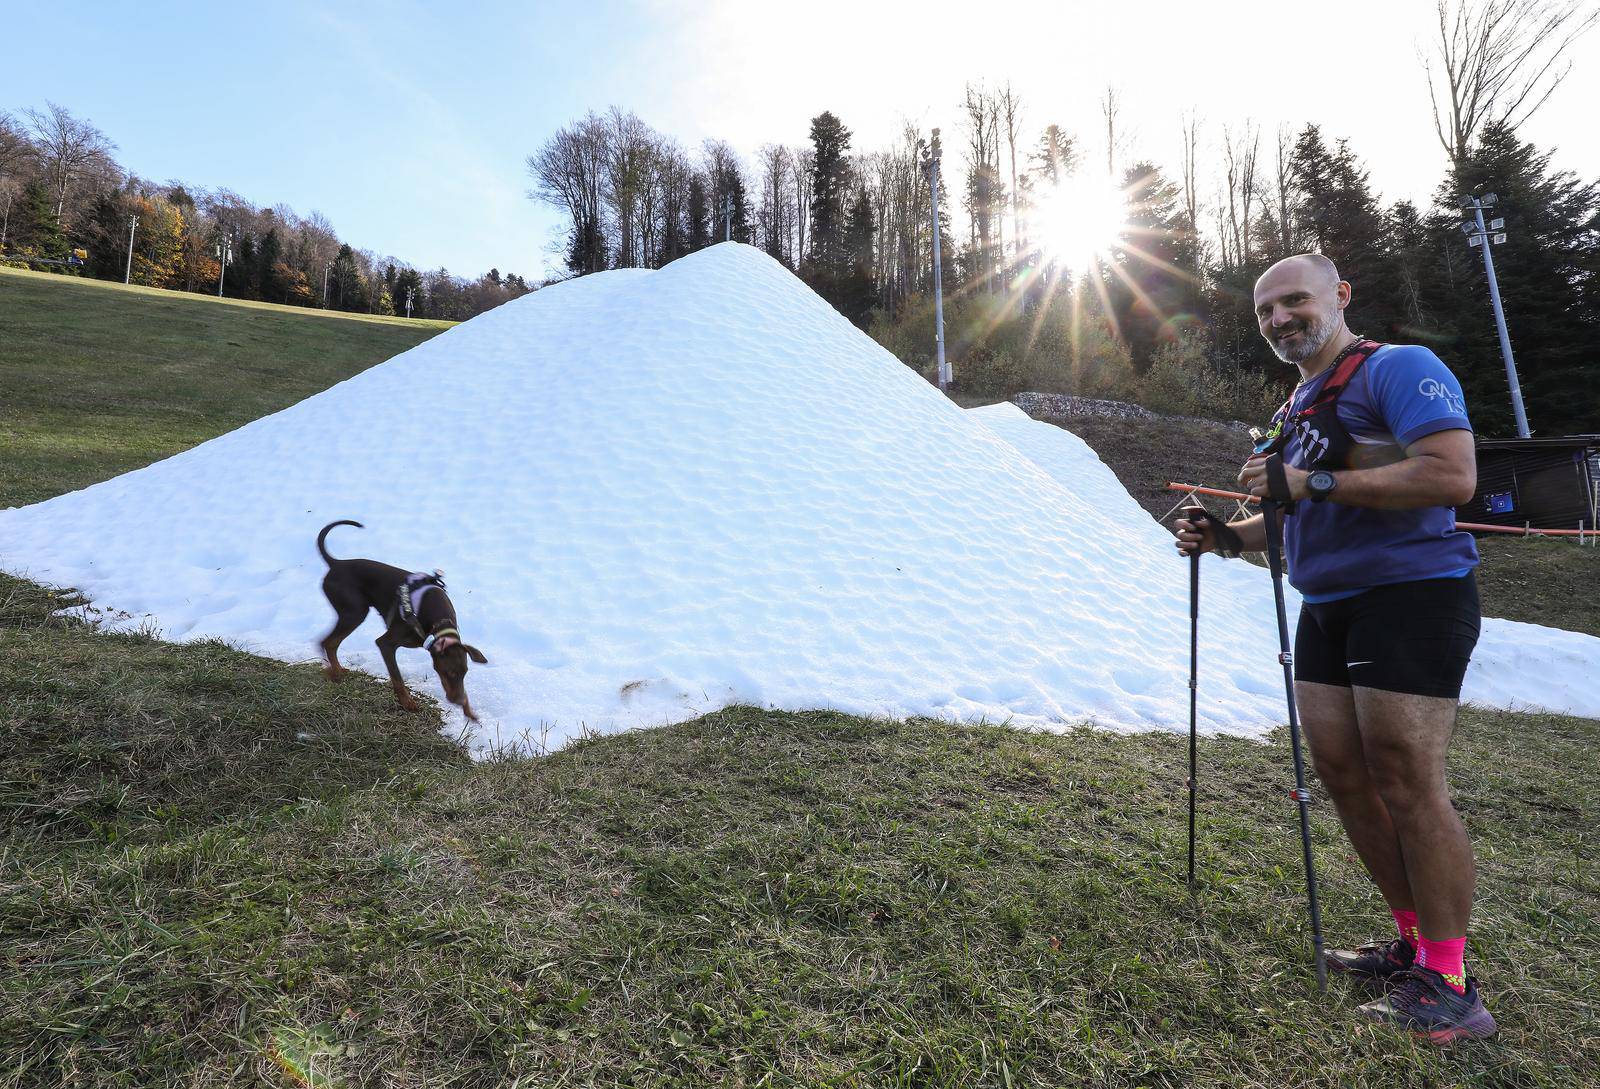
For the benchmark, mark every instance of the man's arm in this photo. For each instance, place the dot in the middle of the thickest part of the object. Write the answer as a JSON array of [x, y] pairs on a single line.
[[1439, 470]]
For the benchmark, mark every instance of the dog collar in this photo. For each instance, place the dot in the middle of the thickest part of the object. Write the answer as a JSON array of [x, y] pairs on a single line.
[[443, 633]]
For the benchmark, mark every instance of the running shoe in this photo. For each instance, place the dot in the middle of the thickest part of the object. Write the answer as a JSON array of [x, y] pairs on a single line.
[[1380, 961], [1424, 1003]]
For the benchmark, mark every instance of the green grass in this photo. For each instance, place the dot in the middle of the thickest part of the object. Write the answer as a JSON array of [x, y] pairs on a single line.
[[217, 870], [99, 378], [192, 893]]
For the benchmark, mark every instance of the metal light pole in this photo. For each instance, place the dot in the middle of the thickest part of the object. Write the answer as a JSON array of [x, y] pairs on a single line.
[[224, 255], [1486, 237], [727, 217], [325, 269], [938, 277], [127, 273], [409, 293]]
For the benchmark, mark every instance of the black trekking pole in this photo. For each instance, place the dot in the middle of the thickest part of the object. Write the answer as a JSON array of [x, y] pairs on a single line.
[[1274, 507], [1196, 516]]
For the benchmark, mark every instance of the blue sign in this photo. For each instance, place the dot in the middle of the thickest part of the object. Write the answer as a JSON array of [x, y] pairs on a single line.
[[1499, 503]]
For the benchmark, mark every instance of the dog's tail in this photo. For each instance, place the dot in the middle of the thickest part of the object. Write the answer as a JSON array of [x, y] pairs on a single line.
[[323, 536]]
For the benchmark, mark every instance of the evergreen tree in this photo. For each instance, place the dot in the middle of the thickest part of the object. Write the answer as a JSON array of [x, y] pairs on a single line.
[[1337, 213], [408, 279], [1153, 296], [34, 226], [267, 257], [345, 286], [857, 291], [699, 212], [829, 173], [1547, 271], [104, 234], [243, 272]]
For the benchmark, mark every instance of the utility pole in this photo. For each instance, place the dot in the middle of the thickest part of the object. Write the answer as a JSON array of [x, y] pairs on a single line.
[[1485, 237], [938, 277], [224, 255], [127, 273]]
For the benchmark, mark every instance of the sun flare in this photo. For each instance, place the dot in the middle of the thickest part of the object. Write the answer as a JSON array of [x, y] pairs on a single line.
[[1080, 220]]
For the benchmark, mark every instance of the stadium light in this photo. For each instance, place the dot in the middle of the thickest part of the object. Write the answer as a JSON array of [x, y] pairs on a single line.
[[1486, 238]]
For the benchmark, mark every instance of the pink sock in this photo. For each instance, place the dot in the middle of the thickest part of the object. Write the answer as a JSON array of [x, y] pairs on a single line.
[[1447, 958], [1406, 921]]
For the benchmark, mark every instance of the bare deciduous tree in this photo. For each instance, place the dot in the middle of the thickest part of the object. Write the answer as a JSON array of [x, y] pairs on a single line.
[[15, 149], [805, 161], [68, 149], [629, 142], [777, 202], [1110, 108], [1239, 158], [569, 173], [1283, 188], [1191, 195], [984, 197], [1495, 62], [1010, 104]]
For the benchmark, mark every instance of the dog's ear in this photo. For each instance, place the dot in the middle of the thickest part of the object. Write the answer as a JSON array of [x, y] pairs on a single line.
[[475, 654]]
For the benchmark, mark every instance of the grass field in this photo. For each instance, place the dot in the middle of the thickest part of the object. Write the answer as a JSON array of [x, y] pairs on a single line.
[[217, 870], [99, 378]]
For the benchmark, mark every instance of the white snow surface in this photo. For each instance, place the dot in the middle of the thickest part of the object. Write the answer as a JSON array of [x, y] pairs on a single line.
[[654, 494]]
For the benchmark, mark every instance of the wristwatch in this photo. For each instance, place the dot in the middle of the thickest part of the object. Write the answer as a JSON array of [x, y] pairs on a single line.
[[1321, 484]]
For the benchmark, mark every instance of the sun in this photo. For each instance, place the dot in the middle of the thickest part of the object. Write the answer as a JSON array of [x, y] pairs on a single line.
[[1080, 220]]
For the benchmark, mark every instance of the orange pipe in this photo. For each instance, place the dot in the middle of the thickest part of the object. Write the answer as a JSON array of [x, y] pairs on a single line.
[[1479, 526]]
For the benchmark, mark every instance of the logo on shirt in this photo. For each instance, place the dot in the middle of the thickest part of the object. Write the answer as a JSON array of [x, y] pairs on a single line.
[[1432, 388], [1313, 444]]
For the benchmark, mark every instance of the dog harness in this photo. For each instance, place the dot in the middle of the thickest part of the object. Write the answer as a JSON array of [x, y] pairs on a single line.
[[408, 599]]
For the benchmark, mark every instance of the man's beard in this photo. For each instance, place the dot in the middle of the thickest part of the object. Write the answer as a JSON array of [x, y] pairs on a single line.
[[1311, 341]]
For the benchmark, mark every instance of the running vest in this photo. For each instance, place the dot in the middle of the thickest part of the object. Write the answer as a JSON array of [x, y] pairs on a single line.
[[1324, 441]]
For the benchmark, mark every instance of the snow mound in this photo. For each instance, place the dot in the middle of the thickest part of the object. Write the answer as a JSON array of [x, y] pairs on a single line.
[[656, 493]]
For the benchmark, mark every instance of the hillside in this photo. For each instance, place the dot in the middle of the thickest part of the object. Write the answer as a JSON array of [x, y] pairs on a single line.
[[219, 870], [100, 378]]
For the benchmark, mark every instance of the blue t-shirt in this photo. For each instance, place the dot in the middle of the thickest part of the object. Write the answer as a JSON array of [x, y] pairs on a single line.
[[1401, 393]]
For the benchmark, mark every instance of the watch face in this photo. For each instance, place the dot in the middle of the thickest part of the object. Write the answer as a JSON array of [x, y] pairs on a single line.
[[1320, 481]]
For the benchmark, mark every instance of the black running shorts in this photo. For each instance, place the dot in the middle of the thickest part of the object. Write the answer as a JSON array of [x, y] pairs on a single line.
[[1411, 637]]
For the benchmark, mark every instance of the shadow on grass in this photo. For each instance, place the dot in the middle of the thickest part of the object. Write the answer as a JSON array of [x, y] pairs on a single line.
[[119, 737]]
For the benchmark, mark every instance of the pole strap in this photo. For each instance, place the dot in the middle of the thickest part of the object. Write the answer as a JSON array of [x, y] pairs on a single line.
[[1278, 484]]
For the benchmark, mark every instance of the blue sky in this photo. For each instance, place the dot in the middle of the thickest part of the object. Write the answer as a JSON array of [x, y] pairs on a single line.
[[408, 124]]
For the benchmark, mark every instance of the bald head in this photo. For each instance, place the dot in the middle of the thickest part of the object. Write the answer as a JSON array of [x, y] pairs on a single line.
[[1299, 305], [1312, 265]]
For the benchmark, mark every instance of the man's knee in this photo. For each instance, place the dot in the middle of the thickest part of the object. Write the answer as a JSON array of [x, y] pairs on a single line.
[[1406, 785]]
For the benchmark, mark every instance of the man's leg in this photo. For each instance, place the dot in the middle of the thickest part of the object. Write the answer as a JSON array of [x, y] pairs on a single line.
[[1328, 716], [1406, 739]]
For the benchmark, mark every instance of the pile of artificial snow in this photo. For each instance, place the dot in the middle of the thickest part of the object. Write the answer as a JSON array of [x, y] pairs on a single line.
[[657, 493]]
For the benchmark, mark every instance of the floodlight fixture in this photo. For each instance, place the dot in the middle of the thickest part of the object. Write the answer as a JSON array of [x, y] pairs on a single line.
[[1497, 224], [1475, 240], [1499, 238], [1489, 200], [1468, 227]]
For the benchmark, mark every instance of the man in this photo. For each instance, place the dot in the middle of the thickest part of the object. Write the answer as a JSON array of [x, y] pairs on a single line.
[[1377, 448]]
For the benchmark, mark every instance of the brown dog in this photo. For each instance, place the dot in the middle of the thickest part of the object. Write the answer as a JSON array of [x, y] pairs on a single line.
[[415, 608]]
